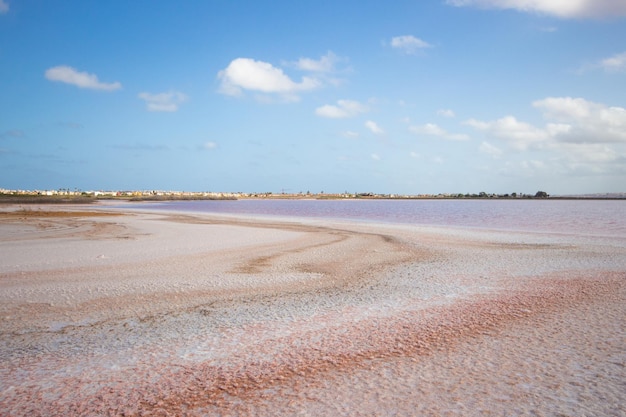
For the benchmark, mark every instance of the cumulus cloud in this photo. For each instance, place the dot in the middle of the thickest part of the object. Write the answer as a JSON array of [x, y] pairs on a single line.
[[489, 149], [590, 152], [409, 44], [80, 79], [566, 9], [4, 7], [428, 129], [343, 109], [374, 128], [615, 63], [167, 102], [258, 76], [581, 121], [587, 137], [446, 113], [326, 63], [520, 135], [432, 129]]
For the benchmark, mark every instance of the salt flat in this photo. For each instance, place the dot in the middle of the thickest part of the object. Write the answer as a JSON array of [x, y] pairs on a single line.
[[111, 312]]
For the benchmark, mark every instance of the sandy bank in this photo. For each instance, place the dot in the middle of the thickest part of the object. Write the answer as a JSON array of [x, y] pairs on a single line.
[[167, 314]]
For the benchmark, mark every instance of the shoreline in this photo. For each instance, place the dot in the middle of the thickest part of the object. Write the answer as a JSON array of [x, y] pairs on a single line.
[[90, 198], [147, 312]]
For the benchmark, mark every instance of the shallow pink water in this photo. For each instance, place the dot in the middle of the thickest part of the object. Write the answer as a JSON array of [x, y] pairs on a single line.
[[580, 217]]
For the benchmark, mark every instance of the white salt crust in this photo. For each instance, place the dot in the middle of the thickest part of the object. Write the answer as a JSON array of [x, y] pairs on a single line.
[[171, 314]]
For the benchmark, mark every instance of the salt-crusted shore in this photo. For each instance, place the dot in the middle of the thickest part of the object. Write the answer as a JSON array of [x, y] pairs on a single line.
[[142, 313]]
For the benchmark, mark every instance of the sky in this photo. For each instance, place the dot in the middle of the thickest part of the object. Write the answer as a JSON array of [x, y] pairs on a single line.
[[403, 97]]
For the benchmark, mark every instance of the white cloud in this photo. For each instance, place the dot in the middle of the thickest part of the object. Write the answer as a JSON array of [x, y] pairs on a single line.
[[446, 113], [585, 138], [374, 128], [615, 63], [4, 7], [375, 157], [350, 134], [71, 76], [581, 121], [326, 63], [409, 44], [432, 129], [168, 102], [343, 109], [428, 129], [589, 153], [519, 134], [491, 150], [559, 8], [248, 74], [324, 69], [209, 145]]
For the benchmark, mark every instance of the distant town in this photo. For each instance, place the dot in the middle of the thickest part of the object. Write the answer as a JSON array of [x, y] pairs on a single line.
[[76, 195]]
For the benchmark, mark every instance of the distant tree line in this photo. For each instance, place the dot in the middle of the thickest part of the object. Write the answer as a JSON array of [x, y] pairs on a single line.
[[482, 194]]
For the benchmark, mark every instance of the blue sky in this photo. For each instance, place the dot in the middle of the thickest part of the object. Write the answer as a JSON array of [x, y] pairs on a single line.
[[361, 96]]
